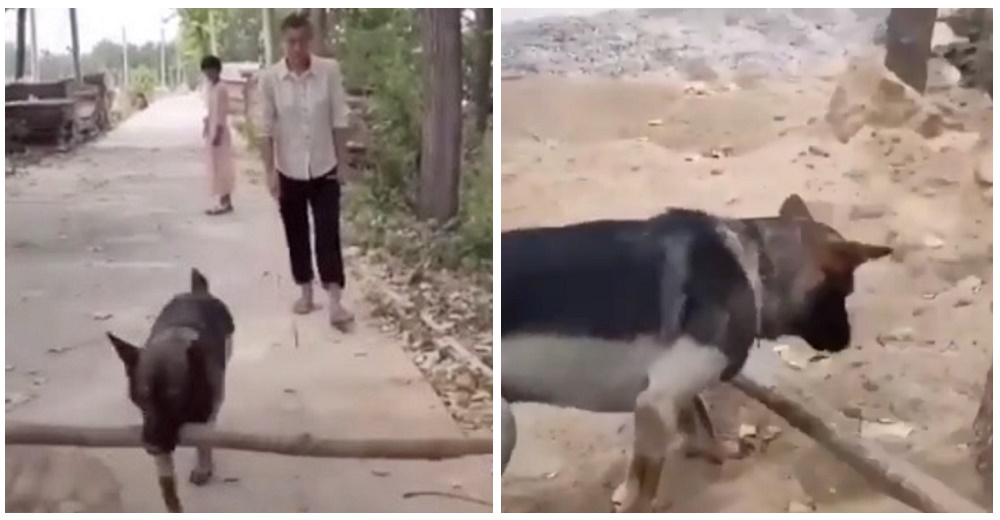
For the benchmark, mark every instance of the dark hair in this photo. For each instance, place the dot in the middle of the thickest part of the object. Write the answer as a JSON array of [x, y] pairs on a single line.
[[211, 63], [296, 20]]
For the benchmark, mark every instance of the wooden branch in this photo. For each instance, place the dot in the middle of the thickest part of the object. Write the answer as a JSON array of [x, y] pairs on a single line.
[[884, 471], [304, 445]]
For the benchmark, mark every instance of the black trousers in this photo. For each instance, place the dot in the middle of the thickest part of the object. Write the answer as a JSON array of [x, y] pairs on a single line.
[[322, 195]]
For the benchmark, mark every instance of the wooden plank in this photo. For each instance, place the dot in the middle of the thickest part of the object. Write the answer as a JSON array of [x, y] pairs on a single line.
[[892, 475], [303, 445]]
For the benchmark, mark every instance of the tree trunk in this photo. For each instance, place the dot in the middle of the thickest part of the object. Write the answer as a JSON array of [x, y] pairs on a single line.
[[482, 94], [22, 19], [267, 26], [985, 45], [908, 44], [333, 19], [74, 31], [317, 16], [441, 133], [982, 428]]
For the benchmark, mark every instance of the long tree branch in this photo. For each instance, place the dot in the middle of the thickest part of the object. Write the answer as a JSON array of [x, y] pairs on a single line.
[[303, 445], [892, 475]]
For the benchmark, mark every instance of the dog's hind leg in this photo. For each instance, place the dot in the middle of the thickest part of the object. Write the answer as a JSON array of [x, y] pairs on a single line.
[[675, 379], [204, 466], [699, 442], [508, 434]]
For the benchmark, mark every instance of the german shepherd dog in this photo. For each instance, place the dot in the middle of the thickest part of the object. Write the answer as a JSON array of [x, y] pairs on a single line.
[[179, 377], [641, 315]]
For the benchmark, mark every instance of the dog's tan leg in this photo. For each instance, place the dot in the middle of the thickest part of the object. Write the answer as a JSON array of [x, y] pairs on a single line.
[[204, 466], [675, 379], [168, 482], [637, 493], [699, 442]]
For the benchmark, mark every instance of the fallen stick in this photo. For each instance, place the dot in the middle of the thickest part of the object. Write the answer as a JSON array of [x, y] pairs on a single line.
[[303, 445], [892, 475]]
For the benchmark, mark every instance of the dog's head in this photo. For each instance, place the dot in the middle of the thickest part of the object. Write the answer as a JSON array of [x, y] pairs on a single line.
[[164, 378], [160, 378], [809, 277]]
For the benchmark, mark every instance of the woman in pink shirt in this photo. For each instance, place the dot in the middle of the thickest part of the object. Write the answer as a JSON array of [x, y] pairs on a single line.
[[215, 131]]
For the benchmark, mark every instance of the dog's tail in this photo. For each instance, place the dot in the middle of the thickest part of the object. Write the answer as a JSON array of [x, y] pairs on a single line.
[[199, 284]]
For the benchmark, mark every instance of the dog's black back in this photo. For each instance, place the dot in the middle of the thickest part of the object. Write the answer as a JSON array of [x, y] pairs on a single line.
[[667, 276]]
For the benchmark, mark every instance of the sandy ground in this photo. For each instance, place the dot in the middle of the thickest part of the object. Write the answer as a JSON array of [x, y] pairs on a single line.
[[586, 147], [100, 239]]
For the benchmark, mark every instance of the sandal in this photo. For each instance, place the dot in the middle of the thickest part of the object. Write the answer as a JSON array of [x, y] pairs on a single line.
[[219, 210], [303, 306], [342, 320]]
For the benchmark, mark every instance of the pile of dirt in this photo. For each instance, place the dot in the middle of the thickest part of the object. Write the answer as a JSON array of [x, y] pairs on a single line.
[[703, 44]]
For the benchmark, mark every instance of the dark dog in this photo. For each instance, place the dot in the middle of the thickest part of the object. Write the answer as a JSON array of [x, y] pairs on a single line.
[[179, 377], [642, 315]]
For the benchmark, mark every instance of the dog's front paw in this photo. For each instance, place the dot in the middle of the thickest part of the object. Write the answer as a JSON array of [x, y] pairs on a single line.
[[201, 475]]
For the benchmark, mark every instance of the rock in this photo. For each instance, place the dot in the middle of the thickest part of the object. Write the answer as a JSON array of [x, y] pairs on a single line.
[[716, 171], [982, 428], [983, 152], [465, 381], [868, 94], [969, 285], [885, 429], [933, 242], [942, 75], [818, 151], [943, 35], [800, 507], [15, 399], [857, 174], [867, 211], [49, 480], [900, 334]]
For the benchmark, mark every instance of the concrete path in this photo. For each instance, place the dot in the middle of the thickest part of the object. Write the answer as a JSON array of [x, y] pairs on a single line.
[[101, 239]]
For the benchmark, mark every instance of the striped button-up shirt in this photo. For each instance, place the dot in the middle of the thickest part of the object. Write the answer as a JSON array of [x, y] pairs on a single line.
[[299, 112]]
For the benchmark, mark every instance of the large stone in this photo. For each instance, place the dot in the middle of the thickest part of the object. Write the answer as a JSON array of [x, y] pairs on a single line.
[[868, 94], [59, 480]]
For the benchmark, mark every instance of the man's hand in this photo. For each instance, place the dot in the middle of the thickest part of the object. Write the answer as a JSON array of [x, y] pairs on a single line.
[[273, 186], [345, 173]]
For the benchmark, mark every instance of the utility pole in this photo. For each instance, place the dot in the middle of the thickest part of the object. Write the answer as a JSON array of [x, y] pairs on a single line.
[[163, 56], [74, 30], [33, 21], [22, 18], [125, 74], [212, 40]]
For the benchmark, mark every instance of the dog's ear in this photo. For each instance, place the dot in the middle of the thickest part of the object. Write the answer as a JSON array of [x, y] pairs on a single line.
[[127, 352], [795, 208], [199, 284], [848, 255]]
